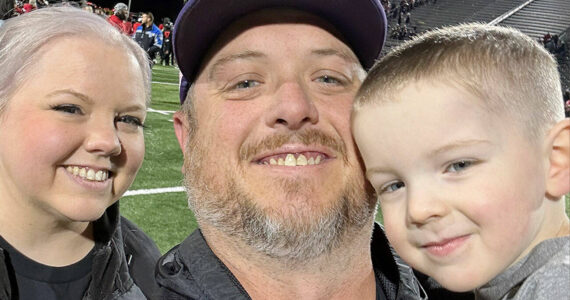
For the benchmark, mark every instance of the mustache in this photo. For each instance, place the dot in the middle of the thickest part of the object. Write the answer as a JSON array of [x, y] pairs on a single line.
[[306, 137]]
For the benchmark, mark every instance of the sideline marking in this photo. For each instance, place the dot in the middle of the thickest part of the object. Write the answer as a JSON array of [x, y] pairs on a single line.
[[162, 112], [175, 189], [167, 83]]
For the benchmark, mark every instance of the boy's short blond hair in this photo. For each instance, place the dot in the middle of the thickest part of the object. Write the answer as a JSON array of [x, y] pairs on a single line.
[[512, 73]]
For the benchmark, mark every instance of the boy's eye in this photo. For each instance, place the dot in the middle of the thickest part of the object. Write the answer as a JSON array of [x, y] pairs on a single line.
[[130, 120], [392, 187], [459, 166], [68, 108]]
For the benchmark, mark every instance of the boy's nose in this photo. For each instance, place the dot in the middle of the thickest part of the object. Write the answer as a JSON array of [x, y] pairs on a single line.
[[425, 206]]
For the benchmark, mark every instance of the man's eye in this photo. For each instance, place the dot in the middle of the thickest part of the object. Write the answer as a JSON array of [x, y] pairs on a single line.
[[392, 187], [68, 108], [459, 166], [328, 80], [246, 84], [130, 120]]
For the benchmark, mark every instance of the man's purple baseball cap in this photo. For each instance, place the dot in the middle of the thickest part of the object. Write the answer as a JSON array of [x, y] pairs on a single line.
[[361, 22]]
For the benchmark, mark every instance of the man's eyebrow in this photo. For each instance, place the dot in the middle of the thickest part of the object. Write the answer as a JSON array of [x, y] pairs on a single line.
[[74, 93], [335, 52], [233, 57]]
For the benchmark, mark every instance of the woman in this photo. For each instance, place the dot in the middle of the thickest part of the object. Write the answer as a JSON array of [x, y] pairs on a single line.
[[73, 99]]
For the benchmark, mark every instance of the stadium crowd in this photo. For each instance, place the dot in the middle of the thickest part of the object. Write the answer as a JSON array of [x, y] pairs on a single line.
[[156, 40], [399, 15]]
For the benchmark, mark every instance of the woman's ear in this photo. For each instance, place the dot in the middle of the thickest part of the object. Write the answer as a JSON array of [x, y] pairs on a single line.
[[558, 143]]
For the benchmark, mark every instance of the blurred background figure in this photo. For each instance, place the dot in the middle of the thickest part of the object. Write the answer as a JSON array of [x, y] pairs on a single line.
[[149, 36], [119, 16]]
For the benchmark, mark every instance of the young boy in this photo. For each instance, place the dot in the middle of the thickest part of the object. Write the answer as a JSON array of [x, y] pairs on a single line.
[[464, 139]]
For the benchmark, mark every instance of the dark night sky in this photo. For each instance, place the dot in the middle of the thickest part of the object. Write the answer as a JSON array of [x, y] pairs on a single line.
[[160, 9]]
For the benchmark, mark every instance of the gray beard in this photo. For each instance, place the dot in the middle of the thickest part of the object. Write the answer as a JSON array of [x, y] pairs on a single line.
[[293, 238]]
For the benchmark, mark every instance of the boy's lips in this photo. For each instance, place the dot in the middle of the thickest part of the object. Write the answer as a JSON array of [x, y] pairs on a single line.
[[445, 246]]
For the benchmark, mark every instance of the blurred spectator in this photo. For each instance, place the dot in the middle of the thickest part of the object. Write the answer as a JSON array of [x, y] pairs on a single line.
[[137, 23], [42, 3], [120, 13], [6, 10], [27, 7], [554, 45], [167, 57], [99, 11], [148, 36]]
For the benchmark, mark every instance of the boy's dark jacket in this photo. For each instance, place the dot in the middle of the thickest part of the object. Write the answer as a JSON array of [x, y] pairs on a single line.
[[123, 262]]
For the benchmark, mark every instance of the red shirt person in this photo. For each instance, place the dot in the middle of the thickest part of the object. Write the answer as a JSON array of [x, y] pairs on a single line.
[[120, 13]]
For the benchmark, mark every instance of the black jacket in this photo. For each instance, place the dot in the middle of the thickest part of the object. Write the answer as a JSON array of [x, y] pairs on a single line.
[[192, 271], [123, 262]]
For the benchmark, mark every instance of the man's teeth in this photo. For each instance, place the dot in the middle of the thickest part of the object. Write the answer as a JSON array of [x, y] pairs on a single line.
[[291, 161], [88, 174]]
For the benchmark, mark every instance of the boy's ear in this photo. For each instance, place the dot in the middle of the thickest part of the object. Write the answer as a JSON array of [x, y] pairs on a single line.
[[558, 143]]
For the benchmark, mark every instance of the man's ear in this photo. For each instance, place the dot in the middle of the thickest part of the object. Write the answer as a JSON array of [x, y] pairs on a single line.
[[558, 143], [181, 127]]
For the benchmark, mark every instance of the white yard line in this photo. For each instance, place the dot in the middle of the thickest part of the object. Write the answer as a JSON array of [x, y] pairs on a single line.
[[167, 83], [162, 112], [176, 189]]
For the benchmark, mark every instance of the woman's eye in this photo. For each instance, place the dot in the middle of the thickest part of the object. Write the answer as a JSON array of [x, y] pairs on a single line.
[[459, 166], [246, 84], [68, 108], [130, 120], [392, 187]]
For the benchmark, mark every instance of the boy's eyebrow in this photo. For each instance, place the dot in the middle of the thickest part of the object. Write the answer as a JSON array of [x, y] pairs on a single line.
[[457, 144], [370, 171], [232, 57], [443, 149]]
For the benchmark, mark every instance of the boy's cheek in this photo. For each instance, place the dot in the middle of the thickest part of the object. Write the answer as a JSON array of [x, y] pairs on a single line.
[[394, 224]]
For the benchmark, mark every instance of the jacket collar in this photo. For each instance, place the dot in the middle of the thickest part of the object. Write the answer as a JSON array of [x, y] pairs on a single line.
[[104, 228], [212, 277]]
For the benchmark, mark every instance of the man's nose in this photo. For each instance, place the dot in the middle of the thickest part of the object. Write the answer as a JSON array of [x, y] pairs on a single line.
[[292, 107]]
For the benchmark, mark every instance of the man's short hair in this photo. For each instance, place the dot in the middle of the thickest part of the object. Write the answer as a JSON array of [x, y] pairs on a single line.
[[150, 16], [509, 71]]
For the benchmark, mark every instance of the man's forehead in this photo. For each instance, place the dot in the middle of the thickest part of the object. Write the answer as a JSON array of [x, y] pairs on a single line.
[[359, 24], [274, 16], [246, 33]]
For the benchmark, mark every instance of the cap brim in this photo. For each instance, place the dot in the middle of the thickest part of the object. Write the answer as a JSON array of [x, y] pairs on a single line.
[[361, 22]]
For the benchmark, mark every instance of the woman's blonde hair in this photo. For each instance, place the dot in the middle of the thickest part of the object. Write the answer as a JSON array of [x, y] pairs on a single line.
[[22, 37]]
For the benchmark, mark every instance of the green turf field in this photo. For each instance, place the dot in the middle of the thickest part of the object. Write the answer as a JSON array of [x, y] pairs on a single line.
[[165, 217]]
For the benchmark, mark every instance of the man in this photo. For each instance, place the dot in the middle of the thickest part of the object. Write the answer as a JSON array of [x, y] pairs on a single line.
[[148, 36], [273, 176], [167, 57], [120, 14]]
